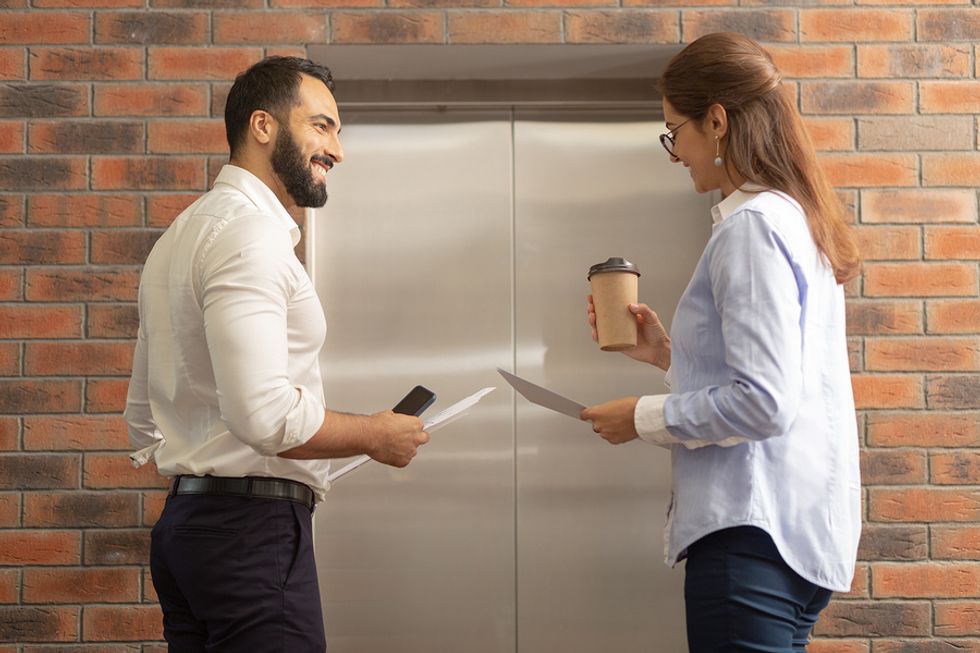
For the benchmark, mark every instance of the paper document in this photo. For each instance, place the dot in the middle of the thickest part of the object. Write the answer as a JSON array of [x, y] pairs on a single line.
[[542, 396], [432, 424]]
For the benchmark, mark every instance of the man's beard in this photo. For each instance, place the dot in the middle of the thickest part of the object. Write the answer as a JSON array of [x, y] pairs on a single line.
[[296, 173]]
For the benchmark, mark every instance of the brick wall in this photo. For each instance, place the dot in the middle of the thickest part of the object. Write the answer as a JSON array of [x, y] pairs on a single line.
[[110, 123]]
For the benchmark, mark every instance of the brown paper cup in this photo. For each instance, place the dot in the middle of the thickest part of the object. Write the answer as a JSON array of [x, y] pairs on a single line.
[[612, 293]]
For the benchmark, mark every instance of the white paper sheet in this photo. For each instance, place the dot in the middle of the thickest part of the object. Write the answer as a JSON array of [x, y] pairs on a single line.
[[432, 424], [542, 396]]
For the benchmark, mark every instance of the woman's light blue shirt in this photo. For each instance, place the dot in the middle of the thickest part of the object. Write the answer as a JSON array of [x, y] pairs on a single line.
[[759, 353]]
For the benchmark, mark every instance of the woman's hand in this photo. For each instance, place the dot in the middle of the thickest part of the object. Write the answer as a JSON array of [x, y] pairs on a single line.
[[613, 420], [652, 341]]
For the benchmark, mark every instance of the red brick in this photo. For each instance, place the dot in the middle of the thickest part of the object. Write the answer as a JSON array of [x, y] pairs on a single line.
[[9, 434], [33, 547], [86, 137], [957, 618], [891, 467], [913, 60], [117, 547], [948, 97], [947, 25], [865, 317], [67, 585], [923, 505], [9, 359], [200, 63], [21, 396], [81, 509], [78, 358], [889, 243], [144, 27], [209, 4], [9, 586], [12, 137], [53, 284], [48, 27], [831, 134], [120, 247], [801, 61], [857, 97], [112, 321], [388, 27], [11, 212], [43, 173], [33, 247], [12, 64], [31, 624], [154, 100], [855, 354], [76, 433], [927, 646], [344, 4], [924, 429], [39, 321], [959, 391], [107, 471], [926, 580], [74, 64], [106, 395], [149, 591], [621, 26], [504, 27], [955, 468], [928, 353], [43, 100], [122, 624], [863, 170], [951, 169], [855, 25], [893, 542], [953, 316], [85, 210], [9, 509], [953, 242], [264, 28], [838, 646], [874, 619], [162, 209], [916, 133], [88, 3], [770, 25], [919, 279], [883, 391], [918, 206], [147, 173], [187, 137], [859, 583], [153, 503]]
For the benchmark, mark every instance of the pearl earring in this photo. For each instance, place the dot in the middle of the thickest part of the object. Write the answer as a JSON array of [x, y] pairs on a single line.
[[718, 160]]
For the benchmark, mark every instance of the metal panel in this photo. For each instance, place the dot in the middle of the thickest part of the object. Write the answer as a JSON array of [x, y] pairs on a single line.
[[412, 256], [590, 516]]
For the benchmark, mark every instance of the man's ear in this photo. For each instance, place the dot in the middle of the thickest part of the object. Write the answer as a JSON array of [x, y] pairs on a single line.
[[262, 126]]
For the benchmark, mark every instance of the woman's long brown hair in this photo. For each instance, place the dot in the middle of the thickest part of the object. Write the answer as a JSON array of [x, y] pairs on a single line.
[[767, 142]]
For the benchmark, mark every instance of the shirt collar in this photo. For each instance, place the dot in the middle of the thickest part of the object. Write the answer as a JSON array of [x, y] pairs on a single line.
[[727, 206], [261, 195]]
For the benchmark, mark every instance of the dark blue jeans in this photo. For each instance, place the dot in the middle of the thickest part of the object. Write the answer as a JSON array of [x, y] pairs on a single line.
[[236, 574], [740, 596]]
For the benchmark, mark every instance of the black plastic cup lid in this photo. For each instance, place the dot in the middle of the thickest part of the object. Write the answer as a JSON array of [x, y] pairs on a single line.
[[614, 264]]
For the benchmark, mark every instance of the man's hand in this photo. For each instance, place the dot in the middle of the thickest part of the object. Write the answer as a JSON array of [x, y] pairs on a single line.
[[398, 438], [613, 420]]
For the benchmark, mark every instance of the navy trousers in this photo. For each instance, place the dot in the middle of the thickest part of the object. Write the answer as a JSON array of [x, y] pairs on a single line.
[[236, 574], [741, 597]]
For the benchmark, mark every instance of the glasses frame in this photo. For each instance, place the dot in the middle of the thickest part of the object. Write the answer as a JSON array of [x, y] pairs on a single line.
[[667, 138]]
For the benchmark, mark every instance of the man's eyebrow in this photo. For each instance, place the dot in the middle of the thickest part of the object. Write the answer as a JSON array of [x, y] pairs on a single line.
[[325, 118]]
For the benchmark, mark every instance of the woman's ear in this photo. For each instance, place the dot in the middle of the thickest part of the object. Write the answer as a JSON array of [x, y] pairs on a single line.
[[717, 120]]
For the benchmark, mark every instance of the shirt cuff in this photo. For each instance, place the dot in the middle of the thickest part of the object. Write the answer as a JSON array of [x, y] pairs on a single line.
[[651, 425]]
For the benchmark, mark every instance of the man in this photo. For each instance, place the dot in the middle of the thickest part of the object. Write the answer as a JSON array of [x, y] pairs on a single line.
[[226, 390]]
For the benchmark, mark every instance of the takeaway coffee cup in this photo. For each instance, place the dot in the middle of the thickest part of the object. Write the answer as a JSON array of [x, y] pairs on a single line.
[[614, 288]]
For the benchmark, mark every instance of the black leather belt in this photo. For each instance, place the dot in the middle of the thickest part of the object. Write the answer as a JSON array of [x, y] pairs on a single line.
[[249, 486]]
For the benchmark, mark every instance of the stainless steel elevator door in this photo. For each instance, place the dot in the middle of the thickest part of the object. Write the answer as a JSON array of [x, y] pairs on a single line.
[[454, 242]]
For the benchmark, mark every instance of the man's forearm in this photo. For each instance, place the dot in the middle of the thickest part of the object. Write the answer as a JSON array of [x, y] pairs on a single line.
[[340, 436]]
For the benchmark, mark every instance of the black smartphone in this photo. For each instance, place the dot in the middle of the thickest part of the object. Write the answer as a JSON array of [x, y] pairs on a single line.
[[416, 401]]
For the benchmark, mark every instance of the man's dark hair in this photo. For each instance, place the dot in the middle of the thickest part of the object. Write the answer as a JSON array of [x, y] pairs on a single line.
[[270, 85]]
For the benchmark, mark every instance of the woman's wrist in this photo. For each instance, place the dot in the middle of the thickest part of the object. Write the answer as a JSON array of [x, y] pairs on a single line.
[[663, 357]]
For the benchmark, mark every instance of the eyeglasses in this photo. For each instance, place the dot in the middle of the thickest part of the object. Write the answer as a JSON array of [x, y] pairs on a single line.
[[667, 140]]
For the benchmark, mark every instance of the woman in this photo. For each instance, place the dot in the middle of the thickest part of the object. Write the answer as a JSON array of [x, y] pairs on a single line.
[[760, 417]]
